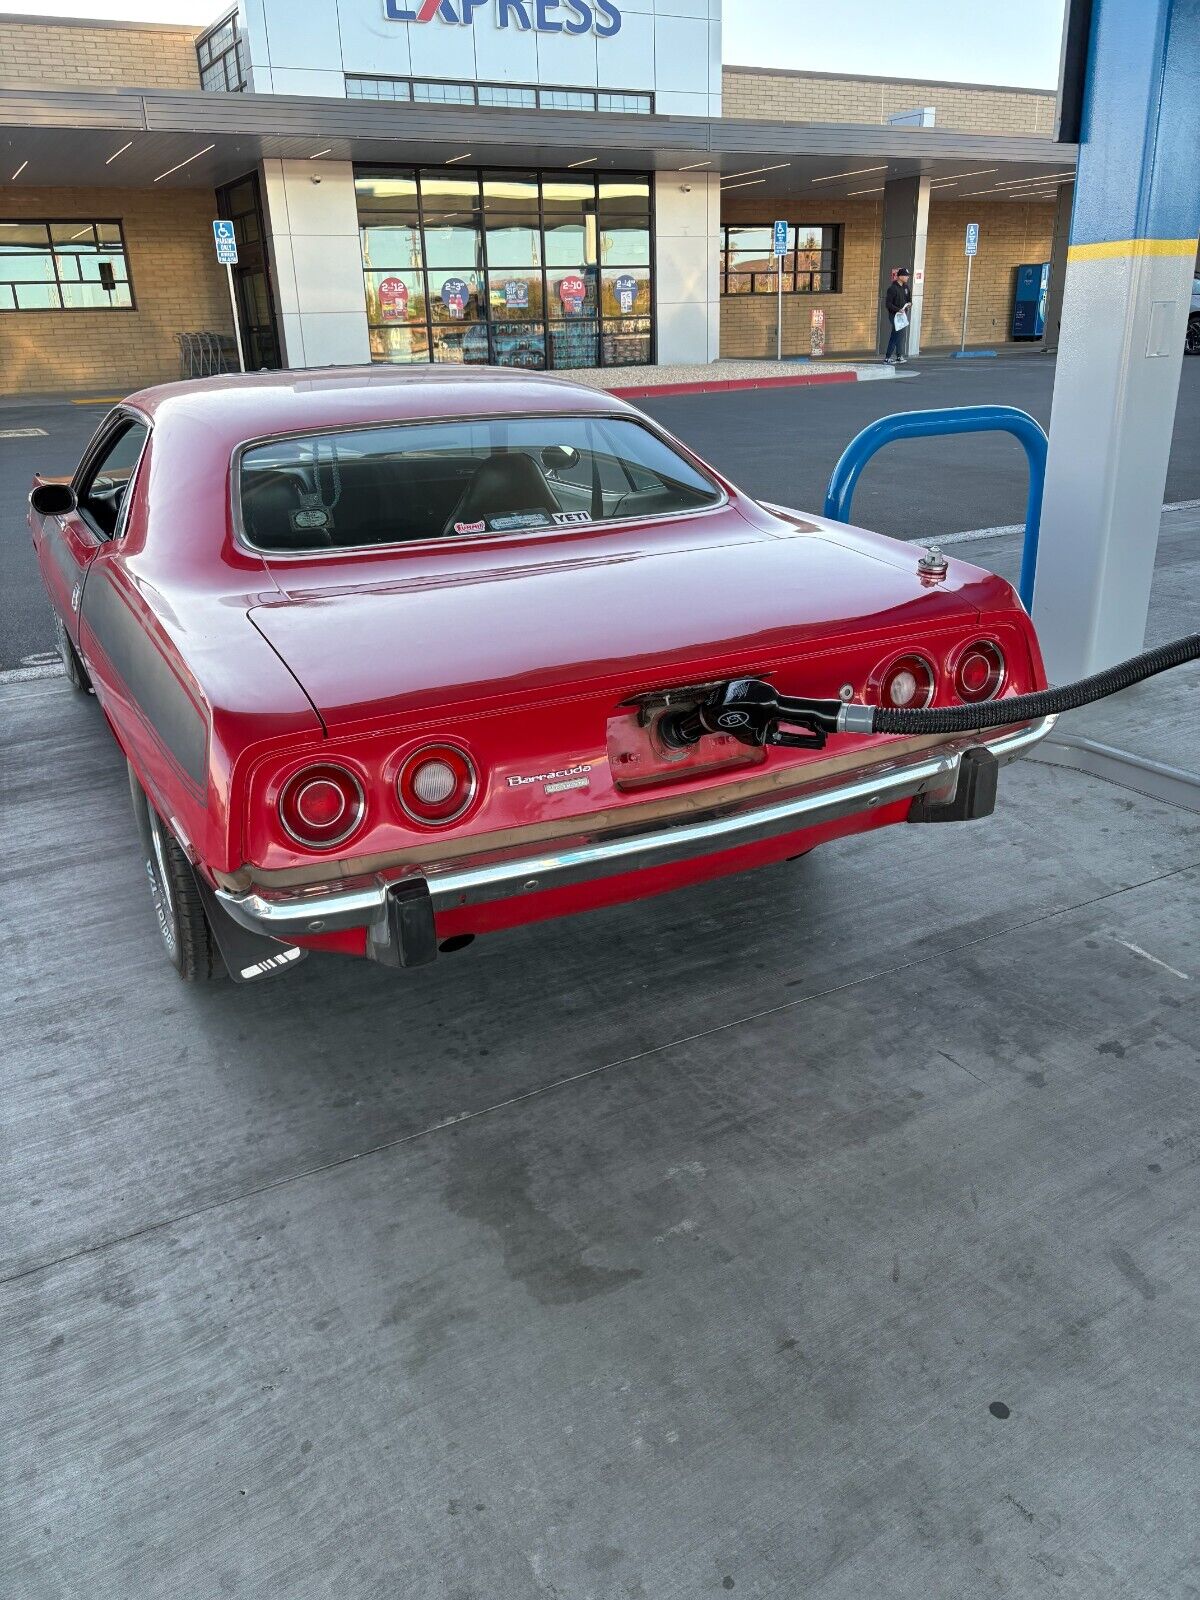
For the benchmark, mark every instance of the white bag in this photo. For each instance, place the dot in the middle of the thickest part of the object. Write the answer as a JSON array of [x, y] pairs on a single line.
[[901, 321]]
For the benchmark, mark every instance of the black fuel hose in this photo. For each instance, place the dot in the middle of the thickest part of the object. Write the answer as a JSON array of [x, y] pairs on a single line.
[[1022, 707]]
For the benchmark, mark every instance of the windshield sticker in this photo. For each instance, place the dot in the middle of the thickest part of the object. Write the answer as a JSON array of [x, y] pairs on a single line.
[[470, 527], [566, 518], [519, 519]]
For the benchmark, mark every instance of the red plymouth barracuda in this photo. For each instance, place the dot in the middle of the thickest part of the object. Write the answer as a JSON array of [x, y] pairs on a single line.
[[400, 657]]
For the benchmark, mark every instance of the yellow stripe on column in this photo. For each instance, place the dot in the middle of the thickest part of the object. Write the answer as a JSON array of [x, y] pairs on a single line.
[[1109, 249]]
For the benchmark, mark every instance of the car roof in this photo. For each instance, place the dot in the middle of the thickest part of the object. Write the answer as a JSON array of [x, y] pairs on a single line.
[[239, 406]]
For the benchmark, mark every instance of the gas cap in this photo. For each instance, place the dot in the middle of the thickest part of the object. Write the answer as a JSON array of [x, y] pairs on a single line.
[[933, 563]]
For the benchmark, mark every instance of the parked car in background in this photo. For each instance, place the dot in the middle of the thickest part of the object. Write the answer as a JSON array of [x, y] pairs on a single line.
[[394, 656], [1193, 328]]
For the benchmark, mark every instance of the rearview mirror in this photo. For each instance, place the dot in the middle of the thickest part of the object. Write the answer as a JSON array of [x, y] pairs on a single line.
[[555, 457], [53, 499]]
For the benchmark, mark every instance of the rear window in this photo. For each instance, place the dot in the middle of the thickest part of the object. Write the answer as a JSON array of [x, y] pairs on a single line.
[[437, 480]]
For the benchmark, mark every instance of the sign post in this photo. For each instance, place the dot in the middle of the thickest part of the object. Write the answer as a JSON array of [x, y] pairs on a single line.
[[971, 250], [227, 254], [779, 248]]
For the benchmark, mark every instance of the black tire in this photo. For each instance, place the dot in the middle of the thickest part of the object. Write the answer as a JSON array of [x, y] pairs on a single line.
[[182, 925], [1192, 342], [76, 671]]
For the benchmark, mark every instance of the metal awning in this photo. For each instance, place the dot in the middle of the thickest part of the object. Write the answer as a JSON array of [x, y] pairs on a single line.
[[140, 138]]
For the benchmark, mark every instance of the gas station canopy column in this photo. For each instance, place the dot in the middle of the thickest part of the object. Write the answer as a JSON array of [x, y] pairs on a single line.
[[1125, 306]]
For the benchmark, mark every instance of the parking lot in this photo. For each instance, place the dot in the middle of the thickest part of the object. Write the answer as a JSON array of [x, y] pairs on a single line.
[[826, 1231]]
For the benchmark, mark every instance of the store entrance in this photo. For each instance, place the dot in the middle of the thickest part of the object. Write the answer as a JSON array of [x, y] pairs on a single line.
[[537, 270], [241, 203]]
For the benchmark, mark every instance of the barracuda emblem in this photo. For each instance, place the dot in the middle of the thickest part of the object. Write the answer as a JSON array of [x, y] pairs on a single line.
[[556, 782]]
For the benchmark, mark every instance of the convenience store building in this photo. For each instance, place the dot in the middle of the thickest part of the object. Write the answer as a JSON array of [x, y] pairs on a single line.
[[543, 183]]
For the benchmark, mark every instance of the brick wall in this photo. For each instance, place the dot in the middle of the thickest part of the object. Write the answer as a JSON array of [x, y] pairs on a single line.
[[777, 96], [748, 321], [1008, 235], [141, 57], [177, 286]]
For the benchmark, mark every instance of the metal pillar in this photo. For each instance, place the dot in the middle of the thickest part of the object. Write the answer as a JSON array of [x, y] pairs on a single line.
[[905, 231], [1133, 244]]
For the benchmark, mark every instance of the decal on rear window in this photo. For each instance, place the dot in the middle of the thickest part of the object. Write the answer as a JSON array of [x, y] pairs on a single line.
[[519, 519], [568, 518], [470, 527]]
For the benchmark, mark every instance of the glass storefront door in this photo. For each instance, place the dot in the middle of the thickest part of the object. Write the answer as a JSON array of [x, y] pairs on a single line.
[[515, 269], [241, 203]]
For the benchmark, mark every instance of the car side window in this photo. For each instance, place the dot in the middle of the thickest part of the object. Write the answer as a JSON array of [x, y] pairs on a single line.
[[103, 488]]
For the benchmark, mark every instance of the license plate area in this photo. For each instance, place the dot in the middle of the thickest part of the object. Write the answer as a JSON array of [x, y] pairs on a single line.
[[638, 759]]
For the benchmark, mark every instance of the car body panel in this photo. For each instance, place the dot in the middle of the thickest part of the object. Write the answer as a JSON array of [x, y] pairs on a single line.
[[223, 670]]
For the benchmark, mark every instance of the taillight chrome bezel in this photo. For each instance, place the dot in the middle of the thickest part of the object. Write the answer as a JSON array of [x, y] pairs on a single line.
[[994, 655], [465, 794], [923, 670], [316, 772]]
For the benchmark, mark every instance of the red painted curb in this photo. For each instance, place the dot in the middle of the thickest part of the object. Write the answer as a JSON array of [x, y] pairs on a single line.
[[716, 385]]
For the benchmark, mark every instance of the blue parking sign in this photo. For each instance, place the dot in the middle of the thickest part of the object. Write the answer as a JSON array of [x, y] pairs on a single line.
[[226, 242], [780, 247], [972, 239]]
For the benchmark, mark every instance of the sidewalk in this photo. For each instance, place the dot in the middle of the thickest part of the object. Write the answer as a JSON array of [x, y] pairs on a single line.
[[792, 372]]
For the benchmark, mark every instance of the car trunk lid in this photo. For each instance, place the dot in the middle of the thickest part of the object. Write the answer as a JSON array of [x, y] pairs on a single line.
[[437, 633]]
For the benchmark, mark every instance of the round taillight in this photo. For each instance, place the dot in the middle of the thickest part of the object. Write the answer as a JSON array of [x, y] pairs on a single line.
[[908, 684], [979, 674], [436, 784], [321, 806]]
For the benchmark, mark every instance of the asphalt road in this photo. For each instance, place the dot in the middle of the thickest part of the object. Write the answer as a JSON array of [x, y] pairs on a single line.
[[779, 445], [782, 445]]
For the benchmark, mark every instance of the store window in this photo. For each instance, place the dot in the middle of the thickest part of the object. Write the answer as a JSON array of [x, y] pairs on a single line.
[[64, 266], [516, 269], [813, 264], [221, 53], [455, 92]]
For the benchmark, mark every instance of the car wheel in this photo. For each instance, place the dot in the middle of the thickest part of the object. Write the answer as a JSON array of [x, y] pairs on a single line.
[[178, 909], [1192, 344], [76, 671]]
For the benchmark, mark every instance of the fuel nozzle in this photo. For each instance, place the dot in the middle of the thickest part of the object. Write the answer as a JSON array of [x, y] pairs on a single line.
[[753, 712]]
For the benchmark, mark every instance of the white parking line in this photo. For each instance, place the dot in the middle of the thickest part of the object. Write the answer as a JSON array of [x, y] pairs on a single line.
[[1166, 966], [23, 433], [31, 674], [1007, 529]]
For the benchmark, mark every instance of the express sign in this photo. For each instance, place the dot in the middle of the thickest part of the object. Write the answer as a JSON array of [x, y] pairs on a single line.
[[601, 17]]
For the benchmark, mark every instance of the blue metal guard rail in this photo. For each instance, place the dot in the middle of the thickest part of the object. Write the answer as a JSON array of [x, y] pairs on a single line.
[[931, 425]]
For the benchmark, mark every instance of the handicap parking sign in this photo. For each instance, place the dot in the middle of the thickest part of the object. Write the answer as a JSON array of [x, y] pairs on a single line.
[[780, 244], [226, 242], [972, 239]]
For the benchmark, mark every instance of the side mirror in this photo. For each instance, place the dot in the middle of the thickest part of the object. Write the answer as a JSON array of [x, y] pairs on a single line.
[[53, 499], [555, 457]]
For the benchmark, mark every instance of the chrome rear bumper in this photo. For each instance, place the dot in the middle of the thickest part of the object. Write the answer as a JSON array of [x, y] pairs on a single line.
[[363, 902]]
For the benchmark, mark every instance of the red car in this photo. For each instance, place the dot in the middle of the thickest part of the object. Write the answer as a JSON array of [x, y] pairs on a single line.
[[399, 657]]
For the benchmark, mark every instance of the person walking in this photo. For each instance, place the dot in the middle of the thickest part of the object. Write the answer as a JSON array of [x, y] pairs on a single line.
[[896, 303]]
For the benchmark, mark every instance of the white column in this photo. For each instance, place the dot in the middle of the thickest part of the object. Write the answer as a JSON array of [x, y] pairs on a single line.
[[903, 239], [1125, 307], [312, 227], [687, 244]]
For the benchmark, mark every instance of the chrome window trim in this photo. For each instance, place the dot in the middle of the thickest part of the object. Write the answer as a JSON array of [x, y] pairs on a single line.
[[99, 440], [457, 540]]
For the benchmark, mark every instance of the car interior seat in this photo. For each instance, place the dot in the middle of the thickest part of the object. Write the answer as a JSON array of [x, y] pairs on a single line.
[[502, 486]]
